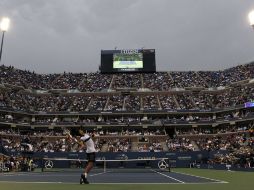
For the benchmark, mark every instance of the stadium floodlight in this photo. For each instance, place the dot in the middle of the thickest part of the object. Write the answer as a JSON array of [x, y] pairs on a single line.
[[251, 18], [4, 26]]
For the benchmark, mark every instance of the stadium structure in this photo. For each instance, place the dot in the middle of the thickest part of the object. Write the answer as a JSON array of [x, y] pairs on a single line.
[[130, 107]]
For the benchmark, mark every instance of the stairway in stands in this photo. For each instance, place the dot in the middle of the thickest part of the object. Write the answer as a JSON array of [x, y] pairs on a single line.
[[164, 146], [134, 146], [104, 147], [196, 148]]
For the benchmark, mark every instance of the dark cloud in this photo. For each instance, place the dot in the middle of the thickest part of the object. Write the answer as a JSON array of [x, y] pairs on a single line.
[[67, 35]]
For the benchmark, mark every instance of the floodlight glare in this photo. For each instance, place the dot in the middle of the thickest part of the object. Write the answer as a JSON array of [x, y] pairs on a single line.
[[4, 25], [251, 18]]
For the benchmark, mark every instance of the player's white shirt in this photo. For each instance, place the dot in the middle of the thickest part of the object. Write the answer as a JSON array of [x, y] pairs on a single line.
[[89, 143]]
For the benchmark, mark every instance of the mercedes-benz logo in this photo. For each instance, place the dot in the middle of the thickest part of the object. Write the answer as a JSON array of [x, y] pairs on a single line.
[[162, 164], [48, 164]]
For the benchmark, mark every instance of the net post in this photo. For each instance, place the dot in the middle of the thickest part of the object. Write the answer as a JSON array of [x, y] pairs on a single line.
[[42, 164], [169, 165], [104, 166]]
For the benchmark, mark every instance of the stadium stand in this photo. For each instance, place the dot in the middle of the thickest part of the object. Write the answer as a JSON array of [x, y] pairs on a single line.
[[141, 112]]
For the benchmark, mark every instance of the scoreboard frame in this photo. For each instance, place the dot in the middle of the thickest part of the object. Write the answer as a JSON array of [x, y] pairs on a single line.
[[149, 63]]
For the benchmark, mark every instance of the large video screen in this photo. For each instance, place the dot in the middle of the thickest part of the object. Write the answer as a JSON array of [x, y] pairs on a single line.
[[125, 61], [138, 60]]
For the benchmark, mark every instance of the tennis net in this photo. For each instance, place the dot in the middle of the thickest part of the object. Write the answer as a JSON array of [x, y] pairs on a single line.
[[125, 165]]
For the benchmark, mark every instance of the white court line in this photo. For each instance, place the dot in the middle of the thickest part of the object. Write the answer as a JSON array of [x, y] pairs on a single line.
[[14, 174], [52, 175], [36, 182], [98, 174], [168, 176], [181, 182], [44, 182], [216, 180], [153, 183], [40, 175]]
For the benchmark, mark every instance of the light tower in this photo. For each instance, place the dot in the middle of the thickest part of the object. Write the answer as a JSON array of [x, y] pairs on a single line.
[[251, 18], [4, 26]]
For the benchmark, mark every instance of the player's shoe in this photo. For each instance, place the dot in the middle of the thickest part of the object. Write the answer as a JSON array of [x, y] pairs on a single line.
[[83, 179], [86, 182]]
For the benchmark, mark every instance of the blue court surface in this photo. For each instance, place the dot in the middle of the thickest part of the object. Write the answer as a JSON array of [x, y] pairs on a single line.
[[100, 177]]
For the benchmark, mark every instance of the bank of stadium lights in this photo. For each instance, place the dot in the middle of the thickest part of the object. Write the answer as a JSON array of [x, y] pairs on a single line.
[[251, 18], [4, 26]]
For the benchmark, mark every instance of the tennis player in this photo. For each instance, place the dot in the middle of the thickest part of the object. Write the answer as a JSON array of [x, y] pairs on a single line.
[[90, 155], [86, 141]]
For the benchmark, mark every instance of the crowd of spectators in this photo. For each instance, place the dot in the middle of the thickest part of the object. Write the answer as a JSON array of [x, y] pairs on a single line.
[[237, 140], [240, 149], [153, 146], [19, 163], [188, 79], [56, 141], [228, 76], [189, 139], [240, 158], [21, 100], [159, 81], [180, 144], [123, 81], [90, 82], [119, 145], [225, 129], [20, 97], [129, 119]]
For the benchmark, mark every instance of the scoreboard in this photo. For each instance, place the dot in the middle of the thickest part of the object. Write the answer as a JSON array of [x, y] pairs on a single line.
[[128, 60]]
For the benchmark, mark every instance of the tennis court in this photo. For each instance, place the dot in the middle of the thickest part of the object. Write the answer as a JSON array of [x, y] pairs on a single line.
[[178, 179], [115, 177]]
